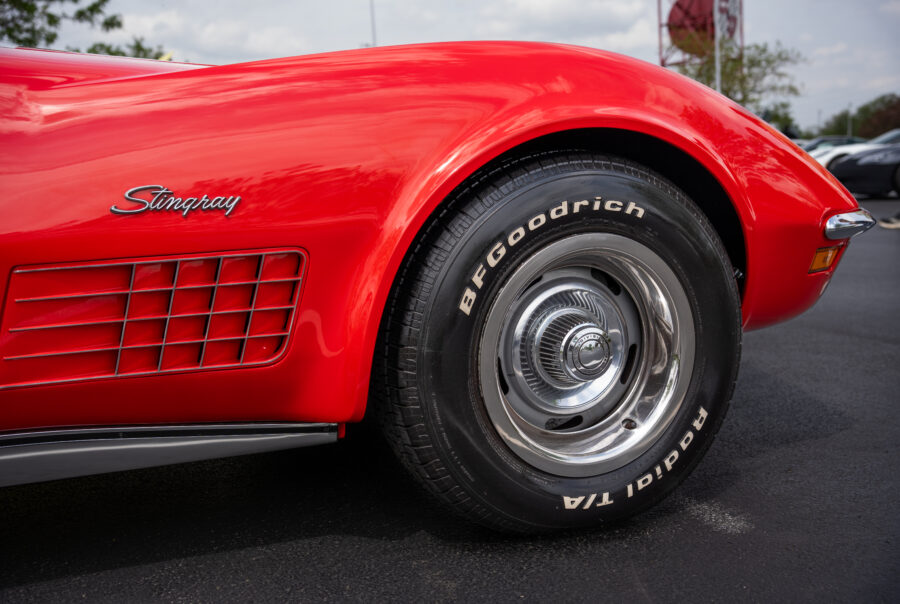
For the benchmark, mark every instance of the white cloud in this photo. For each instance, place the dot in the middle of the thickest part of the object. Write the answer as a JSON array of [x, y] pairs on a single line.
[[566, 11], [640, 35], [274, 42], [834, 49], [617, 25], [158, 24], [224, 37], [558, 20], [828, 85], [883, 83], [891, 7]]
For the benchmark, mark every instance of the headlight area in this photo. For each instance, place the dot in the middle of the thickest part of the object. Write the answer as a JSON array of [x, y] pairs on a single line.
[[840, 227], [824, 258], [848, 224]]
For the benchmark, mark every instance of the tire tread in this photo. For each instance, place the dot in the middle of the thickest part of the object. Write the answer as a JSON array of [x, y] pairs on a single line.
[[394, 391]]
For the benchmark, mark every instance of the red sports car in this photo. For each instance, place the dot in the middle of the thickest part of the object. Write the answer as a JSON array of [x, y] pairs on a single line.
[[533, 263]]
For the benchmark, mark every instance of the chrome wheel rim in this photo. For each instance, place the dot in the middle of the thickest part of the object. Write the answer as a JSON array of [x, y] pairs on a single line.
[[586, 354]]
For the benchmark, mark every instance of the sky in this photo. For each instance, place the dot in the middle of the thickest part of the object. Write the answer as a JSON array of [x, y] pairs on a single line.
[[851, 48]]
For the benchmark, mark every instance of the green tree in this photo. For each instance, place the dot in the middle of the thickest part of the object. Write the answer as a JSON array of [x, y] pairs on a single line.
[[878, 115], [36, 23], [135, 48], [779, 115], [836, 124], [871, 119], [751, 76]]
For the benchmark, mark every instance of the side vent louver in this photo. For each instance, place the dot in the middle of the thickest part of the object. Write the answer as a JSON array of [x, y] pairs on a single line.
[[148, 316]]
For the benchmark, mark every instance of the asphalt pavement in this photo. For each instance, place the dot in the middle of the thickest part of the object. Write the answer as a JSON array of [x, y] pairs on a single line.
[[797, 500]]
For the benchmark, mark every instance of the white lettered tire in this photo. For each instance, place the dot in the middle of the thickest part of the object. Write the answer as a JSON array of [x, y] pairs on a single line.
[[561, 343]]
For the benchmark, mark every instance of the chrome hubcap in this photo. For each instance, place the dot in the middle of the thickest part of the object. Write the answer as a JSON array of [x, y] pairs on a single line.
[[564, 348], [586, 354]]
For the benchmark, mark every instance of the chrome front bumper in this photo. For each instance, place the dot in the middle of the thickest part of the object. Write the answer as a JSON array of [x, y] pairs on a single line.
[[844, 226]]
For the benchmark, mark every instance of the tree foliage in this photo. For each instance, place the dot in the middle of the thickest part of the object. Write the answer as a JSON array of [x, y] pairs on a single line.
[[879, 115], [36, 23], [836, 124], [135, 48], [871, 119], [751, 76], [779, 114]]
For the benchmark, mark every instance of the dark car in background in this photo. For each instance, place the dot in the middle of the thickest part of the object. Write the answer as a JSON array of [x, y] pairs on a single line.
[[828, 156], [872, 172], [831, 140]]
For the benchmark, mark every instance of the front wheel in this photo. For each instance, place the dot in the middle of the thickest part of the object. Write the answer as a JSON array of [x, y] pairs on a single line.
[[561, 345]]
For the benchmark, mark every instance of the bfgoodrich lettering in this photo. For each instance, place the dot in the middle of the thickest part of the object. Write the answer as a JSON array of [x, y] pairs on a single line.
[[498, 250]]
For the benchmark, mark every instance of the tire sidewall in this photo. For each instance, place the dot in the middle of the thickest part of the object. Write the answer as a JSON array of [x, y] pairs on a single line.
[[634, 205]]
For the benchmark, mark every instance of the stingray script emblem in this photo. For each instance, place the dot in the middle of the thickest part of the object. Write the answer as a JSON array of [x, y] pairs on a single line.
[[157, 198]]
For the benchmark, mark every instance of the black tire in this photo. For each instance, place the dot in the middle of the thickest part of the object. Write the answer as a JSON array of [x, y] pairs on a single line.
[[458, 396], [834, 161], [896, 179]]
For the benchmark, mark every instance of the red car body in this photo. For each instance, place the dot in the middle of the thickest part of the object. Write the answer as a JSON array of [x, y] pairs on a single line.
[[338, 159]]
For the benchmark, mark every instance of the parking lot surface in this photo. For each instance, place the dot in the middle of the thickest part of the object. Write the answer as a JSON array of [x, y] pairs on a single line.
[[797, 500]]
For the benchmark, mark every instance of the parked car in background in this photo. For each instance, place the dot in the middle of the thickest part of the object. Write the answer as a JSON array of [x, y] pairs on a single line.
[[872, 172], [829, 141], [828, 157]]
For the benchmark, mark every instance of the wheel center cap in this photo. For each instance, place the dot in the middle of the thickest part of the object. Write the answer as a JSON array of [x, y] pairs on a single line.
[[587, 353]]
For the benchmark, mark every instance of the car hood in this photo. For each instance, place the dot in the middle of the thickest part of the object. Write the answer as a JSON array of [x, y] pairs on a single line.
[[40, 69]]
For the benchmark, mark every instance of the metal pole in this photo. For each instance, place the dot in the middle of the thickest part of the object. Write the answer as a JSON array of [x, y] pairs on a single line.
[[849, 119], [372, 19], [741, 50], [659, 31], [715, 17]]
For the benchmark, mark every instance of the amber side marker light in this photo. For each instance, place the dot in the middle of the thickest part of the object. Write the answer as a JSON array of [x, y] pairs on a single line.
[[824, 258]]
